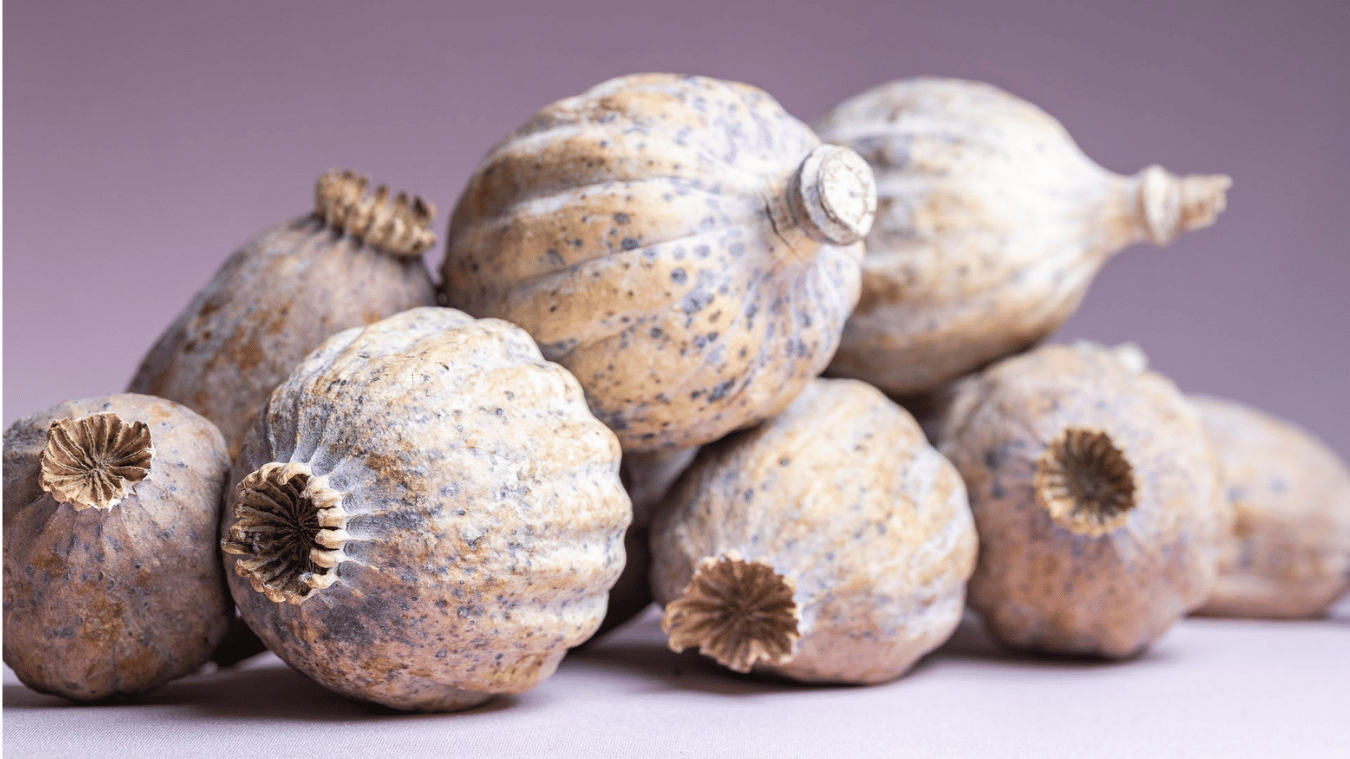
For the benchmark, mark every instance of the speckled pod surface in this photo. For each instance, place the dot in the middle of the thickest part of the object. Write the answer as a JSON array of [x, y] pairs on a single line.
[[991, 224], [112, 580], [1289, 552], [427, 514], [354, 261], [829, 544], [1096, 496], [684, 246]]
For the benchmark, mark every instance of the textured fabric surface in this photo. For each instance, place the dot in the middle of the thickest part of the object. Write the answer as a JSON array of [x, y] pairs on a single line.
[[1210, 687]]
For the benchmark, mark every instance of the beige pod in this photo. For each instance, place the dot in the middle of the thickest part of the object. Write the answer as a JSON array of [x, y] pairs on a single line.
[[354, 260], [112, 578], [646, 477], [829, 544], [426, 514], [991, 224], [1289, 552], [1096, 496], [684, 246]]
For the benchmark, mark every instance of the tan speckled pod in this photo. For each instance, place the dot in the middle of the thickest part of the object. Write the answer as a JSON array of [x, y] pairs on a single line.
[[353, 261], [991, 224], [829, 544], [112, 576], [426, 514], [1289, 553], [1096, 497], [684, 246]]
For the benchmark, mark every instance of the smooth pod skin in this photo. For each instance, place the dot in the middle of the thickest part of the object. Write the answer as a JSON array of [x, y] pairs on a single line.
[[277, 298], [427, 514], [1096, 497], [1289, 552], [683, 245], [841, 503], [991, 224], [118, 593]]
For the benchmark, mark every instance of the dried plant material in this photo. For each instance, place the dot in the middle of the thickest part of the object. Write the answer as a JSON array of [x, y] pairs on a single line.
[[427, 514], [1085, 482], [112, 585], [293, 526], [95, 461], [991, 225], [681, 244], [829, 544], [1288, 555], [736, 611], [354, 260], [1095, 493]]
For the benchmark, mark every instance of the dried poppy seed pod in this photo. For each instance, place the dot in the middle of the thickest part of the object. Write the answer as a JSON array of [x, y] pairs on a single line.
[[426, 514], [112, 582], [1289, 552], [829, 544], [991, 225], [684, 246], [353, 261], [1095, 493]]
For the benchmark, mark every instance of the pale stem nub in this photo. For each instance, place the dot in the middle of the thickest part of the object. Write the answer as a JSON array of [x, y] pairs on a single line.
[[1085, 482], [833, 195], [1170, 205], [736, 611], [95, 461], [293, 528]]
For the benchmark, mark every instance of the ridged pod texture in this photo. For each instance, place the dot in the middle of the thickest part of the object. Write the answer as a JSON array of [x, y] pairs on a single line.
[[471, 512], [841, 496], [991, 224], [1109, 570], [120, 596], [1289, 552], [272, 302], [643, 233]]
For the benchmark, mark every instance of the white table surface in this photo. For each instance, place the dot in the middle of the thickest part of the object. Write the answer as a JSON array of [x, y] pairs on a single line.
[[1210, 687]]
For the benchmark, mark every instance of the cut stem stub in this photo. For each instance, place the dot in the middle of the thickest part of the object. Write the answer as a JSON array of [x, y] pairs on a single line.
[[95, 461], [833, 195], [736, 611], [1170, 205], [292, 526], [1085, 482]]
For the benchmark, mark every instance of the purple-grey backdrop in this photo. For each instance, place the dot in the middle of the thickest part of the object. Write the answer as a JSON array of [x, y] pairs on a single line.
[[144, 141]]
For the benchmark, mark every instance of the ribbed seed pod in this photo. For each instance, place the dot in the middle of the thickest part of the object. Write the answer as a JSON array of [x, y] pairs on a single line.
[[1289, 552], [683, 245], [991, 224], [112, 579], [1096, 497], [829, 544], [426, 514], [353, 261]]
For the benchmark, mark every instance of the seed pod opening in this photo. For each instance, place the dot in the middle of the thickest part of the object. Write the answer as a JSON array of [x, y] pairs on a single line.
[[1085, 481], [95, 461]]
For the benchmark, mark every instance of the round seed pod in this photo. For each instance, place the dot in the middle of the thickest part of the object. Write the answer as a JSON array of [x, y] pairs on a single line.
[[113, 585], [1289, 552], [684, 246], [991, 224], [829, 544], [426, 514], [1096, 497], [353, 261]]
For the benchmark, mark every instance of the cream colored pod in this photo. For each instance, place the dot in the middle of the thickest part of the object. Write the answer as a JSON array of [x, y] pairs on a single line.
[[355, 260], [991, 224], [112, 577], [829, 544], [1096, 496], [1289, 552], [426, 514], [683, 245]]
